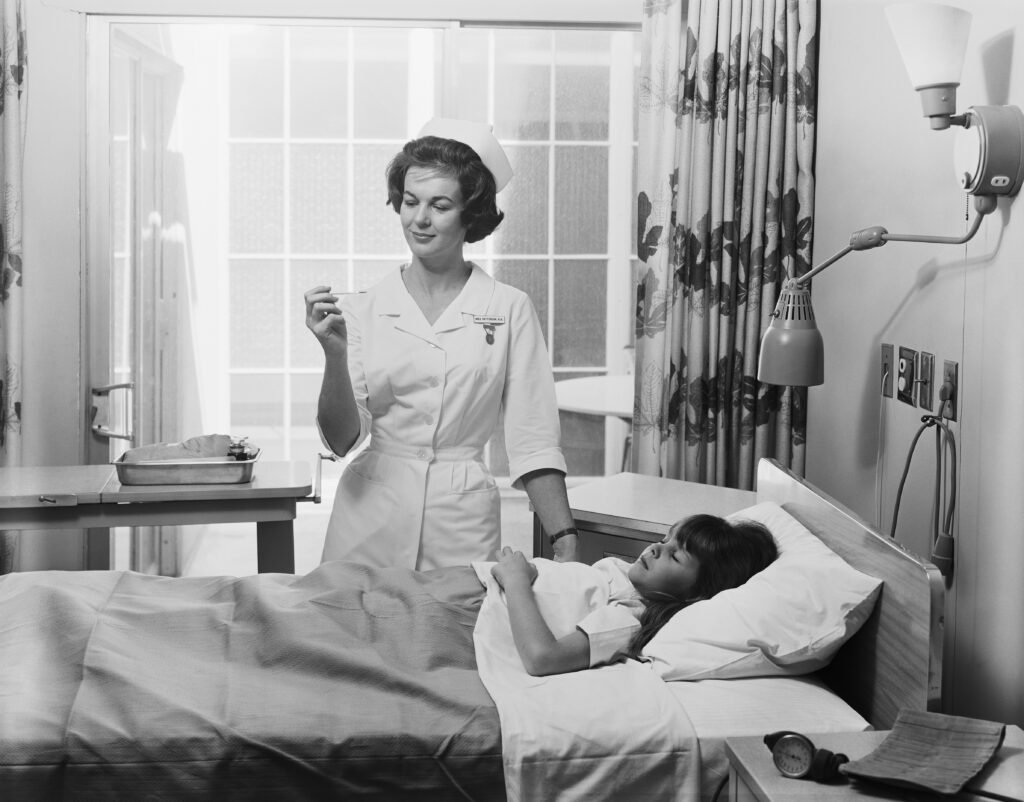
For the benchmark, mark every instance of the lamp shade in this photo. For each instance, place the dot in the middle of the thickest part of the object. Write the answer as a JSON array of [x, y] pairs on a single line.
[[792, 351], [932, 39]]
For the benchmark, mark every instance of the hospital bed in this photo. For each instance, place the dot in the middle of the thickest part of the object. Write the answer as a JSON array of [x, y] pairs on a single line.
[[352, 681]]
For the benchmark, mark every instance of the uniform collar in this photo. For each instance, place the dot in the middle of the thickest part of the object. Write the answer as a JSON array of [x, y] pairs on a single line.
[[394, 300]]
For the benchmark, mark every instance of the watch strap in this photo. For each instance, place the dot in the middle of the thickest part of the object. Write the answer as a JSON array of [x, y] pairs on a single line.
[[570, 530]]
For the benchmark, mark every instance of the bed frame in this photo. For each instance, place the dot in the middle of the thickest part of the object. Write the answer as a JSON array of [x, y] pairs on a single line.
[[895, 659]]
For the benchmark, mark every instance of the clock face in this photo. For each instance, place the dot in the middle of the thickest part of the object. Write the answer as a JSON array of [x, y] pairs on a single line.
[[792, 755]]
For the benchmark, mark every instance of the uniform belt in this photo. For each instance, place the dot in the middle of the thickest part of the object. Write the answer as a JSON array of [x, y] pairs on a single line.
[[408, 451]]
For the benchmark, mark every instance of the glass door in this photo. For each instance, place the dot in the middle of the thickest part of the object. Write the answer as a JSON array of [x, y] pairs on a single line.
[[132, 312]]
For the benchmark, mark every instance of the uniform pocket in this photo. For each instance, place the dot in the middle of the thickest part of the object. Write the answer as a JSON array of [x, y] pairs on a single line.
[[371, 466], [471, 476]]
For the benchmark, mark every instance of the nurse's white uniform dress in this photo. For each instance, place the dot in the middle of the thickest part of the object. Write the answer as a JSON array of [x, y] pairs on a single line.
[[429, 398]]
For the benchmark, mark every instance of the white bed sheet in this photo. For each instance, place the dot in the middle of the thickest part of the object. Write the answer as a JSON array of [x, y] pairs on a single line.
[[725, 708], [603, 735]]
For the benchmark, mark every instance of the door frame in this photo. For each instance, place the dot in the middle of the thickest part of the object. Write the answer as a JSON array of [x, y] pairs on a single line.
[[149, 546]]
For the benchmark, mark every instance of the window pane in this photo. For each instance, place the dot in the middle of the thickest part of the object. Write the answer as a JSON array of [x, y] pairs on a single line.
[[256, 199], [256, 97], [396, 73], [474, 74], [522, 81], [256, 313], [581, 205], [256, 400], [530, 276], [525, 203], [319, 82], [583, 443], [581, 317], [318, 202], [381, 85], [376, 228], [581, 85], [305, 392], [366, 272]]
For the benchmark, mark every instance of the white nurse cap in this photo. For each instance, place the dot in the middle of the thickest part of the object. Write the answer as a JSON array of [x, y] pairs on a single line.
[[479, 137]]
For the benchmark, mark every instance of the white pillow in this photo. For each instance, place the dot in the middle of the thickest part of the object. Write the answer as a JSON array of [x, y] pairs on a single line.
[[790, 618]]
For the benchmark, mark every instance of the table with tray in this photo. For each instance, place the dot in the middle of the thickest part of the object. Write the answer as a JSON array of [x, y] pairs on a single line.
[[98, 497]]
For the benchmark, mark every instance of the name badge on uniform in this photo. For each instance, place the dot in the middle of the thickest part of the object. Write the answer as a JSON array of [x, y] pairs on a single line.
[[489, 322]]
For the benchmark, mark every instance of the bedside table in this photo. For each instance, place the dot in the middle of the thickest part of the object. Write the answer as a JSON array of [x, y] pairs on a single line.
[[619, 515], [754, 778]]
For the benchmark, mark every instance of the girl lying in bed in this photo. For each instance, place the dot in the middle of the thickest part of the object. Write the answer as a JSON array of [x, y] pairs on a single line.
[[700, 556]]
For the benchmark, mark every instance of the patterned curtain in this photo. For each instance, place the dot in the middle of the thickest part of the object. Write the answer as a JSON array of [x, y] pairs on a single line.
[[13, 64], [725, 194]]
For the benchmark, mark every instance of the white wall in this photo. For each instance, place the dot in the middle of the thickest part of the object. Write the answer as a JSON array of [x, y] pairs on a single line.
[[879, 163]]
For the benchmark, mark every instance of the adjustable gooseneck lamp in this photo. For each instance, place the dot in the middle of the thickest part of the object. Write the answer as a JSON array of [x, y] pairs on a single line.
[[989, 156]]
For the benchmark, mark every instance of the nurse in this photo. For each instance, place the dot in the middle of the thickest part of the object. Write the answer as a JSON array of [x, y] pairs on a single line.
[[426, 364]]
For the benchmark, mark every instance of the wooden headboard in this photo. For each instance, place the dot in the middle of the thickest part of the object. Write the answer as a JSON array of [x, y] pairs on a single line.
[[895, 660]]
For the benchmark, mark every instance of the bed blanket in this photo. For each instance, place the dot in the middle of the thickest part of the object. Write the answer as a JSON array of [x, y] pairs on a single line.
[[348, 681], [610, 733]]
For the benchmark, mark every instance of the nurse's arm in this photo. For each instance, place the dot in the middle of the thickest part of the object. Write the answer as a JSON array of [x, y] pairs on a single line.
[[546, 489], [336, 409]]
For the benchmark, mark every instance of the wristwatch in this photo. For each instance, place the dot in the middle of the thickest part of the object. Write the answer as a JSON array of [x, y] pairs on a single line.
[[560, 534]]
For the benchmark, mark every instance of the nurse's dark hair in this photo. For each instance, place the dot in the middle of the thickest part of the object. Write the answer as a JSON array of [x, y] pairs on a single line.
[[480, 213], [728, 553]]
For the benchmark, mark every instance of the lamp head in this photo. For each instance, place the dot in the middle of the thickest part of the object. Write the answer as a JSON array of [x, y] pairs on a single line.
[[792, 351], [932, 39]]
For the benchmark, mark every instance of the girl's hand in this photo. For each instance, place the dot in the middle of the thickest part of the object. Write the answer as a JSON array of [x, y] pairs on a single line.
[[512, 566], [325, 320]]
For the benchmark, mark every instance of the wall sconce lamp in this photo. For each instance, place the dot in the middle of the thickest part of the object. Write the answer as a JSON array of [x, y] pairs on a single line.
[[989, 161]]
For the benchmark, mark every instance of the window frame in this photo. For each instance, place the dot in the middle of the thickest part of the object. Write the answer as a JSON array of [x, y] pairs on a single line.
[[101, 17]]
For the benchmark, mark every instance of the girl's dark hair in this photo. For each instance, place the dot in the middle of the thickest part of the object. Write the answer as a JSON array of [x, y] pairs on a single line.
[[480, 214], [728, 554]]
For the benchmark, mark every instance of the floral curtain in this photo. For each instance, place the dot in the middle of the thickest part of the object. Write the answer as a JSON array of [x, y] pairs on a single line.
[[725, 194], [13, 65]]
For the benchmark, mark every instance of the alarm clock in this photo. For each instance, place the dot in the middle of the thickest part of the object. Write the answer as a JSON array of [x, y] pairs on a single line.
[[796, 757]]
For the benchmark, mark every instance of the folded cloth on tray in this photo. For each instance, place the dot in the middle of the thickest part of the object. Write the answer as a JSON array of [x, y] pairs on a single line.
[[930, 751], [348, 681], [608, 733], [205, 445]]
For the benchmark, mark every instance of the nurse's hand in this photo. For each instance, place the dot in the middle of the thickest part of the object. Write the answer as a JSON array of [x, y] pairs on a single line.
[[325, 320], [566, 549], [512, 567]]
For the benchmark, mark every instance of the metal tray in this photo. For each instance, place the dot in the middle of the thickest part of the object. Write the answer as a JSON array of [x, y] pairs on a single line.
[[199, 471]]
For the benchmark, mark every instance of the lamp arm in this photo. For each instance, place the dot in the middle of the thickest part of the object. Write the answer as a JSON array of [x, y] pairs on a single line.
[[887, 237], [876, 236]]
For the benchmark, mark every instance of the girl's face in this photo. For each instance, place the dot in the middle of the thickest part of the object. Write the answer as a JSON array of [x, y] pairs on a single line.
[[665, 568], [431, 215]]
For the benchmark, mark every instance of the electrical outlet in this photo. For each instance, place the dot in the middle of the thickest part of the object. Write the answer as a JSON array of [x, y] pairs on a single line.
[[950, 389], [926, 377], [905, 375], [887, 369]]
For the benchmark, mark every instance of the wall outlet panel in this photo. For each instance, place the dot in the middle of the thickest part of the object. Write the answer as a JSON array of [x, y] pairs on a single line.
[[888, 362], [925, 380], [905, 376], [951, 380]]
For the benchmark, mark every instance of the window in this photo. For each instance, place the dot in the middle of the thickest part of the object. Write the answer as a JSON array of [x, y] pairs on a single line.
[[281, 135]]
